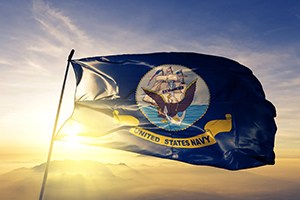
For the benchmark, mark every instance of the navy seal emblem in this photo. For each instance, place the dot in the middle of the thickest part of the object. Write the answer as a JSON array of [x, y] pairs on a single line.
[[172, 97]]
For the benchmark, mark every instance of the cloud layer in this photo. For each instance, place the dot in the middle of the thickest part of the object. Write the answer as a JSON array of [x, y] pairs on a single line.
[[94, 180]]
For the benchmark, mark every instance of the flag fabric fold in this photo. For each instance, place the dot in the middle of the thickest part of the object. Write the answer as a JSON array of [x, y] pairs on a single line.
[[195, 108]]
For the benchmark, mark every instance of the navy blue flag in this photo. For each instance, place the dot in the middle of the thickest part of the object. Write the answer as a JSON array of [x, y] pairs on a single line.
[[190, 107]]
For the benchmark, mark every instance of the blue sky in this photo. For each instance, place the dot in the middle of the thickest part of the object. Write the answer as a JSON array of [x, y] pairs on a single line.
[[37, 36]]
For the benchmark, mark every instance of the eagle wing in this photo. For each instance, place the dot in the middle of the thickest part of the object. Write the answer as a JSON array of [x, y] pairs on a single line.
[[188, 97], [174, 108], [158, 98]]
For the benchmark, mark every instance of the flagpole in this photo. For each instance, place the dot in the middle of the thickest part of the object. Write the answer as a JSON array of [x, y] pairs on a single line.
[[55, 126]]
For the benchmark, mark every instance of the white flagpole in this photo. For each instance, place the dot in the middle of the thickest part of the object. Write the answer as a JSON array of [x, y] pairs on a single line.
[[55, 125]]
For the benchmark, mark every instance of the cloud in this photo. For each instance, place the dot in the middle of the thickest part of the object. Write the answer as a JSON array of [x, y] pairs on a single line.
[[94, 180], [59, 31], [60, 34]]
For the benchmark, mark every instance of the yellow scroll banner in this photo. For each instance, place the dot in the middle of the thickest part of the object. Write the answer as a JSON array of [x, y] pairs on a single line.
[[212, 128]]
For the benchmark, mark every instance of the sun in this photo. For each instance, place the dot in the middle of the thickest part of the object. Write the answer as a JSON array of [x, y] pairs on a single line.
[[72, 141], [69, 136]]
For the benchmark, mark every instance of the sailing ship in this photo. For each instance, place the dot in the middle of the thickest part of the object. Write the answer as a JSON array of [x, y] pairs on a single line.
[[170, 95]]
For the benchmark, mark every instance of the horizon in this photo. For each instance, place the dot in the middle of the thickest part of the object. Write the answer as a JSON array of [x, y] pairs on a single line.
[[69, 179]]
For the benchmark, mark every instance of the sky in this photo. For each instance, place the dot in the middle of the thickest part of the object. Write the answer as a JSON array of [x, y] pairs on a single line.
[[37, 35]]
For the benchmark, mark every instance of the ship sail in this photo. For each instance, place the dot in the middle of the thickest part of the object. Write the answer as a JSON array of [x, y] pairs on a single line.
[[170, 86]]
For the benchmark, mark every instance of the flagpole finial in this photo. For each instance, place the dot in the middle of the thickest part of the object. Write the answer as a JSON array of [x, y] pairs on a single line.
[[71, 55]]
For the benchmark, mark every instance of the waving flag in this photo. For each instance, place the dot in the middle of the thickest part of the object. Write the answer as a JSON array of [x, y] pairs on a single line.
[[213, 112], [156, 73]]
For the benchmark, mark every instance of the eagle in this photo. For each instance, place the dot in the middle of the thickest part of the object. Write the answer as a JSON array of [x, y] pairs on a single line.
[[171, 109]]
